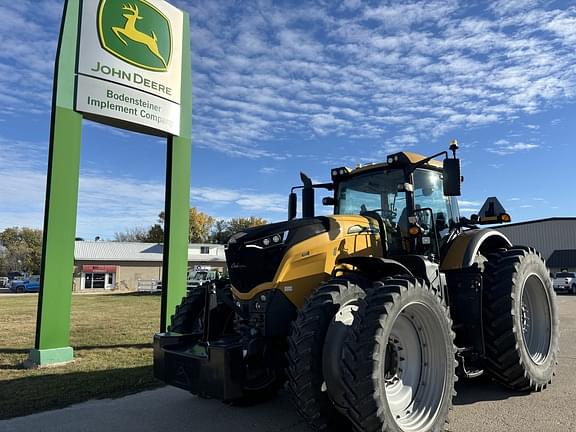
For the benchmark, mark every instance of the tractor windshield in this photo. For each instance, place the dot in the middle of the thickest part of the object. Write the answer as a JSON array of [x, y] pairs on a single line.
[[376, 194], [428, 194]]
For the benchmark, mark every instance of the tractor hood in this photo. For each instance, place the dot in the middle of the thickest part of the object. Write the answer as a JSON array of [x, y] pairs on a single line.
[[253, 255], [307, 250]]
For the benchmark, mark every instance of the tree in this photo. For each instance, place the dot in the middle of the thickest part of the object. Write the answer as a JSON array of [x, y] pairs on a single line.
[[155, 234], [224, 229], [22, 249], [241, 223], [199, 226], [136, 234], [220, 232]]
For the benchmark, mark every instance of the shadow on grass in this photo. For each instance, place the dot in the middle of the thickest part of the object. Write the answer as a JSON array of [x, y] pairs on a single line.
[[79, 347], [135, 294], [46, 392], [91, 347], [14, 350], [480, 389]]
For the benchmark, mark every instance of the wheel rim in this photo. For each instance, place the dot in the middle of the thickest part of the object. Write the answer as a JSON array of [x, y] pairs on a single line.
[[535, 319], [415, 368]]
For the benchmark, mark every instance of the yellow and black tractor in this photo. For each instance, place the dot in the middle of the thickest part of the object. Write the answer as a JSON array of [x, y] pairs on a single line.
[[369, 314]]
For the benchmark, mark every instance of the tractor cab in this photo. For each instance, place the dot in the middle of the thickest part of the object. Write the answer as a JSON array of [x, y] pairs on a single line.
[[406, 196]]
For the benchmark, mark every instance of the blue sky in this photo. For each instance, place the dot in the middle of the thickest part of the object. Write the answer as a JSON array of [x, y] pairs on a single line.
[[280, 87]]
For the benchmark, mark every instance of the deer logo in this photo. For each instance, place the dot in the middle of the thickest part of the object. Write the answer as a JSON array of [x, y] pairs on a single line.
[[136, 35], [140, 36]]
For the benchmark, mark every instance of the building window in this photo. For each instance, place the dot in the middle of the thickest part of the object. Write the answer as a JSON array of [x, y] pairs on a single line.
[[98, 280], [204, 249]]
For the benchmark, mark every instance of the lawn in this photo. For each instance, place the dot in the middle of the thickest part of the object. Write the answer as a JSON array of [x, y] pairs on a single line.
[[112, 340]]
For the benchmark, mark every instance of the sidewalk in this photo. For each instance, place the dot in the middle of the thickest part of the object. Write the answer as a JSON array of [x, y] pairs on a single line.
[[165, 409]]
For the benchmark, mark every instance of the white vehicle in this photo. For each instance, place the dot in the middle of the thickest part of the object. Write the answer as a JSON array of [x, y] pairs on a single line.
[[565, 281], [200, 277]]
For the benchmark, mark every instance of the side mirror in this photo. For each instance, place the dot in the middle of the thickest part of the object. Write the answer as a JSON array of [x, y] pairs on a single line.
[[328, 201], [292, 203], [452, 177]]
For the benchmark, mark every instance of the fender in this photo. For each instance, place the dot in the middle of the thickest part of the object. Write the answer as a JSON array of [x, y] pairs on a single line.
[[463, 249], [376, 267]]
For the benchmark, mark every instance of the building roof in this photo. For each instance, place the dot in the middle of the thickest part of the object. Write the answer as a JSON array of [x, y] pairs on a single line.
[[551, 219], [142, 252], [564, 258]]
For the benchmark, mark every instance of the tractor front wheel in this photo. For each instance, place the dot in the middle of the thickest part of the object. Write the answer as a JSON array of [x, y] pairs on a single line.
[[315, 348], [399, 360]]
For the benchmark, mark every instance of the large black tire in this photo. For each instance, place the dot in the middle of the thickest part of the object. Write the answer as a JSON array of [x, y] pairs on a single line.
[[188, 317], [520, 319], [399, 359], [306, 381]]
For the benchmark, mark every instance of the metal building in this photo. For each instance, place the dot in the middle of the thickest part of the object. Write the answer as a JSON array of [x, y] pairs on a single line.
[[554, 238]]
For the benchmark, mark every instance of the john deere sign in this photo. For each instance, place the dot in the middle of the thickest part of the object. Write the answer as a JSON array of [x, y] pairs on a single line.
[[124, 63], [130, 61]]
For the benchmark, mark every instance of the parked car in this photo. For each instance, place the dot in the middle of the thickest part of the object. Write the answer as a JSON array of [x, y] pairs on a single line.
[[16, 275], [199, 277], [29, 284], [565, 281], [4, 282]]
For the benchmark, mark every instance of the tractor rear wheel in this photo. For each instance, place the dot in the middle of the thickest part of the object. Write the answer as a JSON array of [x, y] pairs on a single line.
[[520, 319], [399, 359], [318, 332]]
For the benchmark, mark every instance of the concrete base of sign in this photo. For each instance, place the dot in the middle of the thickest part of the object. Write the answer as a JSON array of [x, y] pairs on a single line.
[[45, 357]]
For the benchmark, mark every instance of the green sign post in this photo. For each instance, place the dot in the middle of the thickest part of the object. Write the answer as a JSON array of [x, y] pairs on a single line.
[[125, 64]]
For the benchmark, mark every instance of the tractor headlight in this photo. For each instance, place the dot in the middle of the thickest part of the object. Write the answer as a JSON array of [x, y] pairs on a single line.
[[272, 240]]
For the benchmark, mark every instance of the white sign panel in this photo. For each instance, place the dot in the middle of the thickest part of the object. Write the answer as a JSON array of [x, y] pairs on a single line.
[[123, 103], [130, 62]]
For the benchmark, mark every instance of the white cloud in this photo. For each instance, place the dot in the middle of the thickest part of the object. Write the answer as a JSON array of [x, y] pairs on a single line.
[[264, 70], [243, 200], [268, 170], [464, 203], [504, 147], [324, 124]]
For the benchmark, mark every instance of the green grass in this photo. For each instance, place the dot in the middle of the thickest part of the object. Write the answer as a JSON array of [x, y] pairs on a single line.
[[112, 340]]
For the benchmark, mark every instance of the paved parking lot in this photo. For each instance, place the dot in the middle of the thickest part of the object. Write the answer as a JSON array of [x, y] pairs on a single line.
[[481, 406]]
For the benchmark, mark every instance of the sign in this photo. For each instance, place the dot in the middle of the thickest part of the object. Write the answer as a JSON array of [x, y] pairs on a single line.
[[89, 268], [125, 63], [130, 63]]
